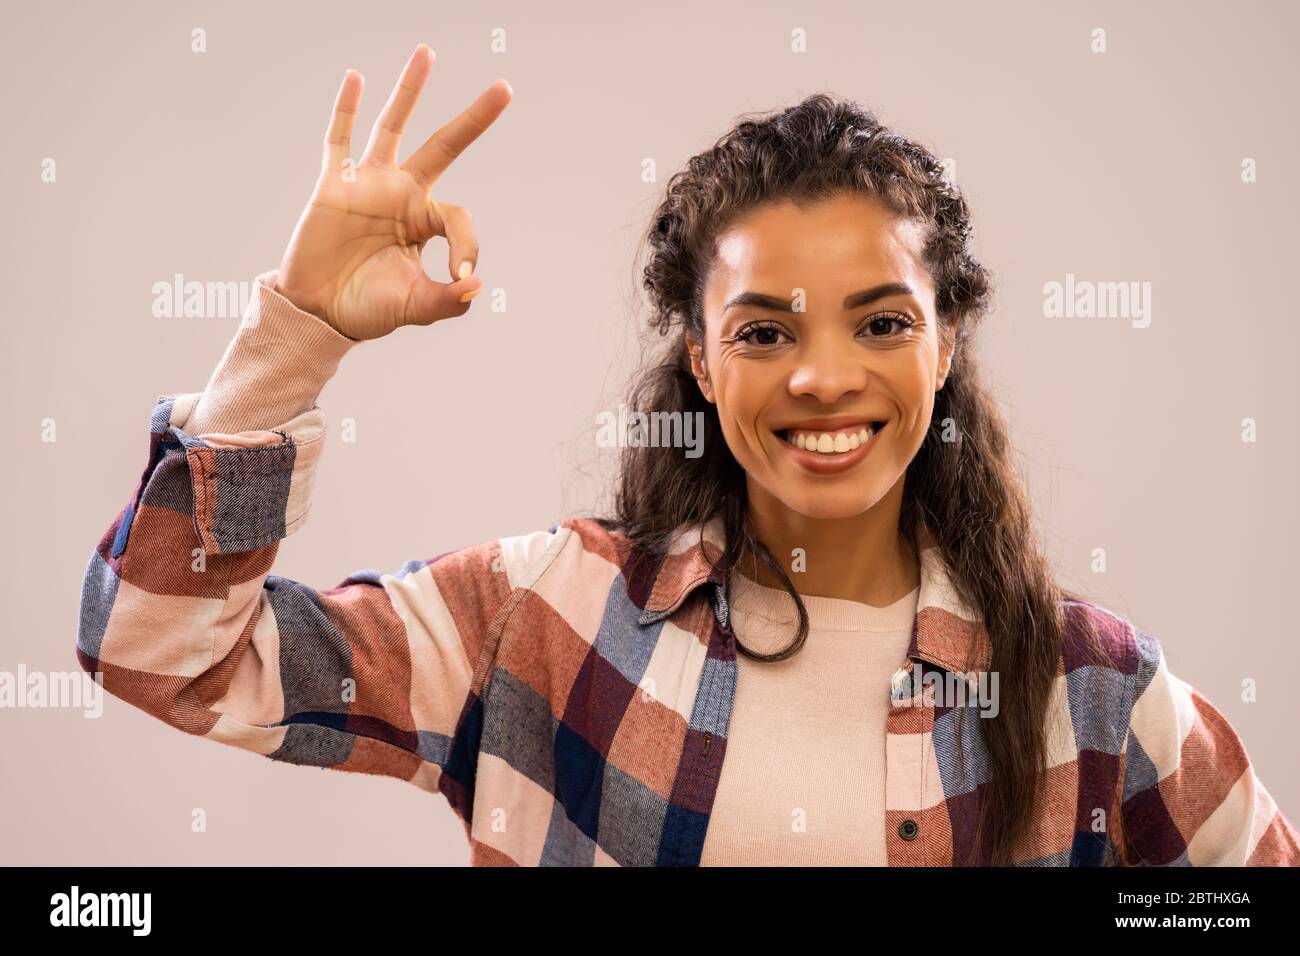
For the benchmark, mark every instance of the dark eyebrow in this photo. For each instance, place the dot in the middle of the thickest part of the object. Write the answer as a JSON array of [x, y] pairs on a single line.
[[852, 301]]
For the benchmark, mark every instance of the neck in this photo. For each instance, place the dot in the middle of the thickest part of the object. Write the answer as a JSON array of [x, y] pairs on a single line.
[[860, 558]]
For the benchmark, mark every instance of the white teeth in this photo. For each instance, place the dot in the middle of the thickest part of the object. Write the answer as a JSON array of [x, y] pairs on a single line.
[[827, 443]]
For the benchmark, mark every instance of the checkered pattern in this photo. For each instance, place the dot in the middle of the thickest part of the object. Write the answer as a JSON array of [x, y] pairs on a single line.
[[570, 696]]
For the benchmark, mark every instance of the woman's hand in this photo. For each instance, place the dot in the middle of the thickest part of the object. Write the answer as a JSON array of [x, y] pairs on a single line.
[[354, 259]]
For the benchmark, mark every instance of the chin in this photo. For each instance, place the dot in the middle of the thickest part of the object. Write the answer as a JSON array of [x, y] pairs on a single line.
[[831, 504]]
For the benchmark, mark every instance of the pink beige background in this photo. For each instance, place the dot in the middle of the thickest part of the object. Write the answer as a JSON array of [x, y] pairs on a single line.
[[1121, 166]]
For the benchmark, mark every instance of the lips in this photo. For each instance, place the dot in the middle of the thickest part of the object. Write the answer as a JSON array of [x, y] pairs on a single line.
[[826, 453]]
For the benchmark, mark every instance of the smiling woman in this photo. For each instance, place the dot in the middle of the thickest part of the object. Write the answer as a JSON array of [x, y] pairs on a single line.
[[814, 275], [633, 689], [847, 372]]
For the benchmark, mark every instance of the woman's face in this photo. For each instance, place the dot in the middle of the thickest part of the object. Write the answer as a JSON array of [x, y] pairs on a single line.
[[820, 320]]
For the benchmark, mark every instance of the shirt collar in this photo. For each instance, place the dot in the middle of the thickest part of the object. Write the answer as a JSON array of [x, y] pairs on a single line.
[[947, 633]]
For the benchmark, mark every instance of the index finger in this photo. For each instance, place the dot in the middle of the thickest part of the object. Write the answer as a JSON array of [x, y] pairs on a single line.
[[441, 149]]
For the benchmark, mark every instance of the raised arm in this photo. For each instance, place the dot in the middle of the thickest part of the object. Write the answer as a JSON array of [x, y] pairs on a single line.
[[180, 614]]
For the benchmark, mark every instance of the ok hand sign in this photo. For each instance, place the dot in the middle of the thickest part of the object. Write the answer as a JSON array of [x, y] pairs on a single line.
[[354, 258]]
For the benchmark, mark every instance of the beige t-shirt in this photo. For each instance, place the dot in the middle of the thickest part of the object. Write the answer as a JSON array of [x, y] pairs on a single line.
[[803, 777]]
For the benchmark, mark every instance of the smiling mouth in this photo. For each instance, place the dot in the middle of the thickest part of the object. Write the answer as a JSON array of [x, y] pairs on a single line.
[[830, 443]]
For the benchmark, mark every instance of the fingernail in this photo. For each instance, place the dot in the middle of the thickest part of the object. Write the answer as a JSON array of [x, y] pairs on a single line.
[[466, 268], [469, 295]]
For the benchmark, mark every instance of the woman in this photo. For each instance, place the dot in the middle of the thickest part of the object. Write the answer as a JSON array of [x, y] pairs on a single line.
[[828, 638]]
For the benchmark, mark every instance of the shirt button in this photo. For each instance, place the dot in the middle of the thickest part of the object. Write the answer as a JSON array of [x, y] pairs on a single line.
[[908, 829]]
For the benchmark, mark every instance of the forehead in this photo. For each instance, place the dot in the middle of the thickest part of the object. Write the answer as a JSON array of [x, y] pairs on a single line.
[[836, 245]]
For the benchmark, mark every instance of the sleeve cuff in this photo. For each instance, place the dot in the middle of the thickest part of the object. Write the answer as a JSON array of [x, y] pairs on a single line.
[[250, 488], [274, 368]]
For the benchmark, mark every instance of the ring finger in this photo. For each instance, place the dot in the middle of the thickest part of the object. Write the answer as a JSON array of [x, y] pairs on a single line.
[[386, 134]]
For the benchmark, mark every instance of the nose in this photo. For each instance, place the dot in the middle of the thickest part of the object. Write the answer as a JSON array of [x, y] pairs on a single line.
[[827, 369]]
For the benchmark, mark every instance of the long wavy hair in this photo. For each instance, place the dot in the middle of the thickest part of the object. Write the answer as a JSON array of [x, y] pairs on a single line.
[[966, 491]]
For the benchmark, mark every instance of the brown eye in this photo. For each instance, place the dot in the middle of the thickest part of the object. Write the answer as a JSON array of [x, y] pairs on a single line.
[[749, 332], [900, 320]]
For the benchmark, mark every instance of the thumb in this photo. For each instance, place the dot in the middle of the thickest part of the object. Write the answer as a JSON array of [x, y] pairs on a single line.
[[432, 301]]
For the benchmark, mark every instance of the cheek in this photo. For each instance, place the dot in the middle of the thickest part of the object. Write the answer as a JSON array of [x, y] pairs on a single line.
[[734, 390], [741, 400], [910, 383]]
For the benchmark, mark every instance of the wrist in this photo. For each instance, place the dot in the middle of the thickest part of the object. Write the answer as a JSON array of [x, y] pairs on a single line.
[[275, 366], [301, 303]]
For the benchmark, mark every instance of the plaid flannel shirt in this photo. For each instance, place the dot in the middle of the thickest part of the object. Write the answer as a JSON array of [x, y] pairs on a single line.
[[570, 695]]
